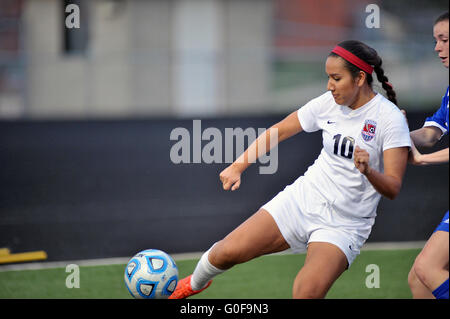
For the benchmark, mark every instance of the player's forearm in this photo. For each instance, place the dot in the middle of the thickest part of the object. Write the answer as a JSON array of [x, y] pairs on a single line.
[[263, 144], [386, 185], [438, 157], [269, 139]]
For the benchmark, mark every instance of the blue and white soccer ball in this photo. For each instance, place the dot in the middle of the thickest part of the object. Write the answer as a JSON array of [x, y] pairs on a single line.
[[151, 274]]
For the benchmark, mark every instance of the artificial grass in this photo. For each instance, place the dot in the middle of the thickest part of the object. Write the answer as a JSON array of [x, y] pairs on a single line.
[[267, 277]]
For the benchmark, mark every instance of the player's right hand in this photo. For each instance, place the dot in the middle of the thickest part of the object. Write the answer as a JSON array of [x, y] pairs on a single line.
[[361, 159], [230, 178]]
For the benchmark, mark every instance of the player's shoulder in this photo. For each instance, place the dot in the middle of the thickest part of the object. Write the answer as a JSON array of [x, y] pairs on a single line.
[[323, 99], [387, 109], [389, 115], [326, 96], [319, 102]]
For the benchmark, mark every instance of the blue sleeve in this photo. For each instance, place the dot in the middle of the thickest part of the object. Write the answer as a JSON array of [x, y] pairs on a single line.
[[440, 117]]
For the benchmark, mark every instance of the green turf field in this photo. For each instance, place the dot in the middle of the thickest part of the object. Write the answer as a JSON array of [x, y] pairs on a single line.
[[266, 277]]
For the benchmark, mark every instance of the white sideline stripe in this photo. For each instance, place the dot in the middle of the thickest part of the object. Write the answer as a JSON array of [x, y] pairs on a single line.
[[182, 256], [87, 262], [394, 245]]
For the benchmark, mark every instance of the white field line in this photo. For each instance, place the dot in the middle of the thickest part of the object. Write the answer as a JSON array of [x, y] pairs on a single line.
[[182, 256]]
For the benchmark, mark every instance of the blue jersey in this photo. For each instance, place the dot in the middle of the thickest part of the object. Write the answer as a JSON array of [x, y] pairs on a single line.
[[443, 226], [440, 118]]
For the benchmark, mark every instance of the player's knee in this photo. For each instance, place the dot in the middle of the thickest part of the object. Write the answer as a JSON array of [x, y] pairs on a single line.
[[421, 269], [227, 255], [413, 281], [308, 290], [308, 293], [234, 254]]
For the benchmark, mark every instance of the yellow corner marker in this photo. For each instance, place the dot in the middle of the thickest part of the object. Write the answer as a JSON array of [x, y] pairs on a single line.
[[22, 257]]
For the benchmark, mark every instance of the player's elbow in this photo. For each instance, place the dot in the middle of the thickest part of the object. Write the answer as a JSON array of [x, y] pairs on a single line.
[[426, 136], [394, 190], [431, 142]]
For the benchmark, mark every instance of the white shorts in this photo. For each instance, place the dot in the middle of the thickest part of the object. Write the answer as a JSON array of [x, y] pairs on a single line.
[[304, 216]]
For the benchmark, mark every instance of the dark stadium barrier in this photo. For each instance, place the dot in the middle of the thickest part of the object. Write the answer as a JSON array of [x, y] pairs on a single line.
[[95, 189]]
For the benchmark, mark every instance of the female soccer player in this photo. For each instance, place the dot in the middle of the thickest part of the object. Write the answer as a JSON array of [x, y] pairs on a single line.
[[330, 210], [428, 277]]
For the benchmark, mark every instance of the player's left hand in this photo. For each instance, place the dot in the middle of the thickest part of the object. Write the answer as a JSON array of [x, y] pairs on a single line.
[[361, 159]]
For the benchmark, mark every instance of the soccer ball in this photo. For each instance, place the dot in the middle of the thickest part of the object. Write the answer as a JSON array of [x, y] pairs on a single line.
[[151, 274]]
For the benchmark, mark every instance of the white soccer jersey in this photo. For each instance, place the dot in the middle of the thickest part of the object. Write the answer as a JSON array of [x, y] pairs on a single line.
[[376, 126]]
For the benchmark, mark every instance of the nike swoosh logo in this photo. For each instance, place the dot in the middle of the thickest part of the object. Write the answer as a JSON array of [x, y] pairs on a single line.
[[330, 122]]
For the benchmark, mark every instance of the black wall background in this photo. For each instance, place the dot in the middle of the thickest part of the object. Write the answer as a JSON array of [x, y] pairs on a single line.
[[94, 189]]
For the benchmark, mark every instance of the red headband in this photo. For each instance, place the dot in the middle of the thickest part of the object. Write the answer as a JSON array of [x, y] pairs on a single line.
[[353, 59]]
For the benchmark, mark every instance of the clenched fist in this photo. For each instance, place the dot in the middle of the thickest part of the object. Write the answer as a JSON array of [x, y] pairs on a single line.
[[361, 159], [230, 178]]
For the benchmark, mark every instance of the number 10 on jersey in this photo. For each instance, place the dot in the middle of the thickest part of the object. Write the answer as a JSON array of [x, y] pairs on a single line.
[[340, 147]]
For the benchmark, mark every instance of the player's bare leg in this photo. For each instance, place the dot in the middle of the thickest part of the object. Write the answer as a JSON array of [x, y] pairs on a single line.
[[257, 236], [418, 289], [431, 265], [324, 263]]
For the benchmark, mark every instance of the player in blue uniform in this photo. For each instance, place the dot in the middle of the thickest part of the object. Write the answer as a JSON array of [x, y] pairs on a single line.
[[429, 275]]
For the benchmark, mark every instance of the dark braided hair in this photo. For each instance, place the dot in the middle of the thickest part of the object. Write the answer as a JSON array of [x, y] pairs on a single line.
[[369, 55]]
